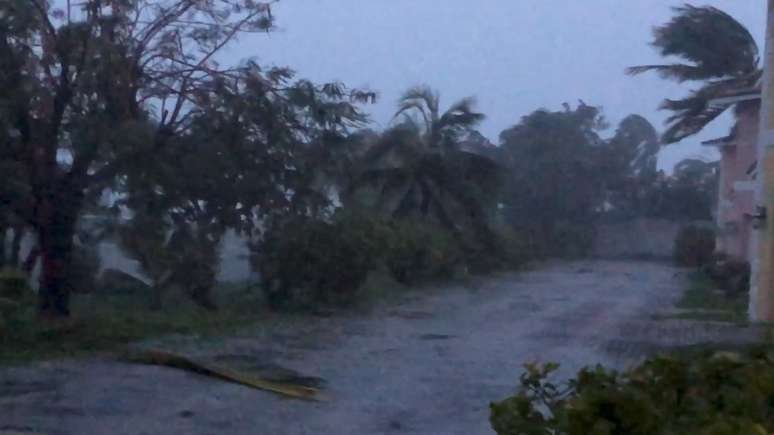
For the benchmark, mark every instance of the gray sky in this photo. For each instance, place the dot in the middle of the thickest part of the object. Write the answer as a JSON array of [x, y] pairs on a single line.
[[515, 56]]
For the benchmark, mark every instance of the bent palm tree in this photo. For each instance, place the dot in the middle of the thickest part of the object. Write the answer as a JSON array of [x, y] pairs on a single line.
[[421, 167], [718, 51]]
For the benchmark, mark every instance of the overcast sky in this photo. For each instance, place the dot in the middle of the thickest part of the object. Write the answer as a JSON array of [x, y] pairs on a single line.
[[515, 56]]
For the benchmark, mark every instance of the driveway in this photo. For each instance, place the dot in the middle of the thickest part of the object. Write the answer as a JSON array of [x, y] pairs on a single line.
[[428, 362]]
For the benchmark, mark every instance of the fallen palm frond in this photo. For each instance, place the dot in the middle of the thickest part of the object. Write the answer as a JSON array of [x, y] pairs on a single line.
[[169, 359]]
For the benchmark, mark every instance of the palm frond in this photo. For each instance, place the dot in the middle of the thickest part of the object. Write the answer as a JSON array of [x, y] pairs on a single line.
[[677, 72], [693, 112], [405, 107], [713, 43], [425, 95], [691, 115], [389, 183], [403, 140], [461, 114]]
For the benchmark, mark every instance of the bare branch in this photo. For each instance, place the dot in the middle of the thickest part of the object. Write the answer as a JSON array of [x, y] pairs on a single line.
[[158, 25], [228, 37], [44, 18]]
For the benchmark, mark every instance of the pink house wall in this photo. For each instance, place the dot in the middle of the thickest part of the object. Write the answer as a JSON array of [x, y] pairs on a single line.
[[736, 194]]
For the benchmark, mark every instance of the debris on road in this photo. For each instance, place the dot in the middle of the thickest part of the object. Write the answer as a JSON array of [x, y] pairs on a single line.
[[169, 359]]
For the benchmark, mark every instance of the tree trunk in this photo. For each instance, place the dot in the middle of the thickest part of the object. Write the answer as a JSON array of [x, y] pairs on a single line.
[[56, 244], [56, 247]]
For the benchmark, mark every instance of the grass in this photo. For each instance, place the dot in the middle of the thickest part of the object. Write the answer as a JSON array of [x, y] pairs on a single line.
[[103, 322], [702, 301], [109, 322]]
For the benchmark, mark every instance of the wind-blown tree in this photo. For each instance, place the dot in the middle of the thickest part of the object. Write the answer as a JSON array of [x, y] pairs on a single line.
[[77, 81], [556, 179], [636, 142], [252, 150], [688, 194], [420, 167], [694, 189], [631, 159], [717, 51]]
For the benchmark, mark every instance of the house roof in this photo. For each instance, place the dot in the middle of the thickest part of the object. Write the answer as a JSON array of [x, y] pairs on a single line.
[[738, 96], [719, 142]]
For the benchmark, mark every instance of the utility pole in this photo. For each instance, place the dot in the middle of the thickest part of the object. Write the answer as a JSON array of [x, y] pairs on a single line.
[[762, 261]]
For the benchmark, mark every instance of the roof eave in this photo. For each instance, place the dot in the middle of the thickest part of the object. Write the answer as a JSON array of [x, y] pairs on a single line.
[[731, 100]]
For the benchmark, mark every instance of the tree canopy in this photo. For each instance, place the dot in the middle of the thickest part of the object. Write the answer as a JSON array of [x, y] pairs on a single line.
[[717, 51]]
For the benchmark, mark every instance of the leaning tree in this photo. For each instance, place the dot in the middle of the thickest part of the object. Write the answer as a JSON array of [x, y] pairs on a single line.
[[255, 148], [714, 50], [91, 90], [423, 167]]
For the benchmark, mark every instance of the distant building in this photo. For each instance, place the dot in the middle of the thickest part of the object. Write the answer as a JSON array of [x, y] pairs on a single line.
[[736, 192]]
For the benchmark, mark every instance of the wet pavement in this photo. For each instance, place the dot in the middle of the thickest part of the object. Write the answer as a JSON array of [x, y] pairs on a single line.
[[428, 362]]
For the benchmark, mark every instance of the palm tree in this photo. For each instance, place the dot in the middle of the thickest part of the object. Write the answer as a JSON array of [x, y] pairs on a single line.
[[420, 166], [718, 51]]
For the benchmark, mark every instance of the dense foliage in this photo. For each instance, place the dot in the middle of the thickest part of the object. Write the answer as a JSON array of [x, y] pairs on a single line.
[[424, 168], [117, 109], [416, 252], [555, 184], [727, 274], [720, 393], [304, 261], [126, 97], [694, 246]]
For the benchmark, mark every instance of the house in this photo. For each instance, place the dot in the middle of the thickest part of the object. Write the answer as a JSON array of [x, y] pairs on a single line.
[[738, 161]]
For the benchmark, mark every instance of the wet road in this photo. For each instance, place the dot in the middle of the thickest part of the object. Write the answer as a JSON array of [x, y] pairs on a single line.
[[427, 363]]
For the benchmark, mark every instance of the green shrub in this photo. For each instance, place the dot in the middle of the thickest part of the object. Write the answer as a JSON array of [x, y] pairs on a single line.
[[417, 251], [714, 393], [14, 285], [304, 261], [732, 276], [15, 296], [694, 246], [500, 248]]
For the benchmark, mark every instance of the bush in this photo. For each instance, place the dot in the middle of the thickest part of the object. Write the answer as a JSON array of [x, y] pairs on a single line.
[[14, 285], [501, 248], [304, 261], [714, 393], [15, 296], [730, 275], [694, 246], [417, 251]]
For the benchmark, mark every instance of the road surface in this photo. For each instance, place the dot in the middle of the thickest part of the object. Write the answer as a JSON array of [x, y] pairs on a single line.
[[429, 362]]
